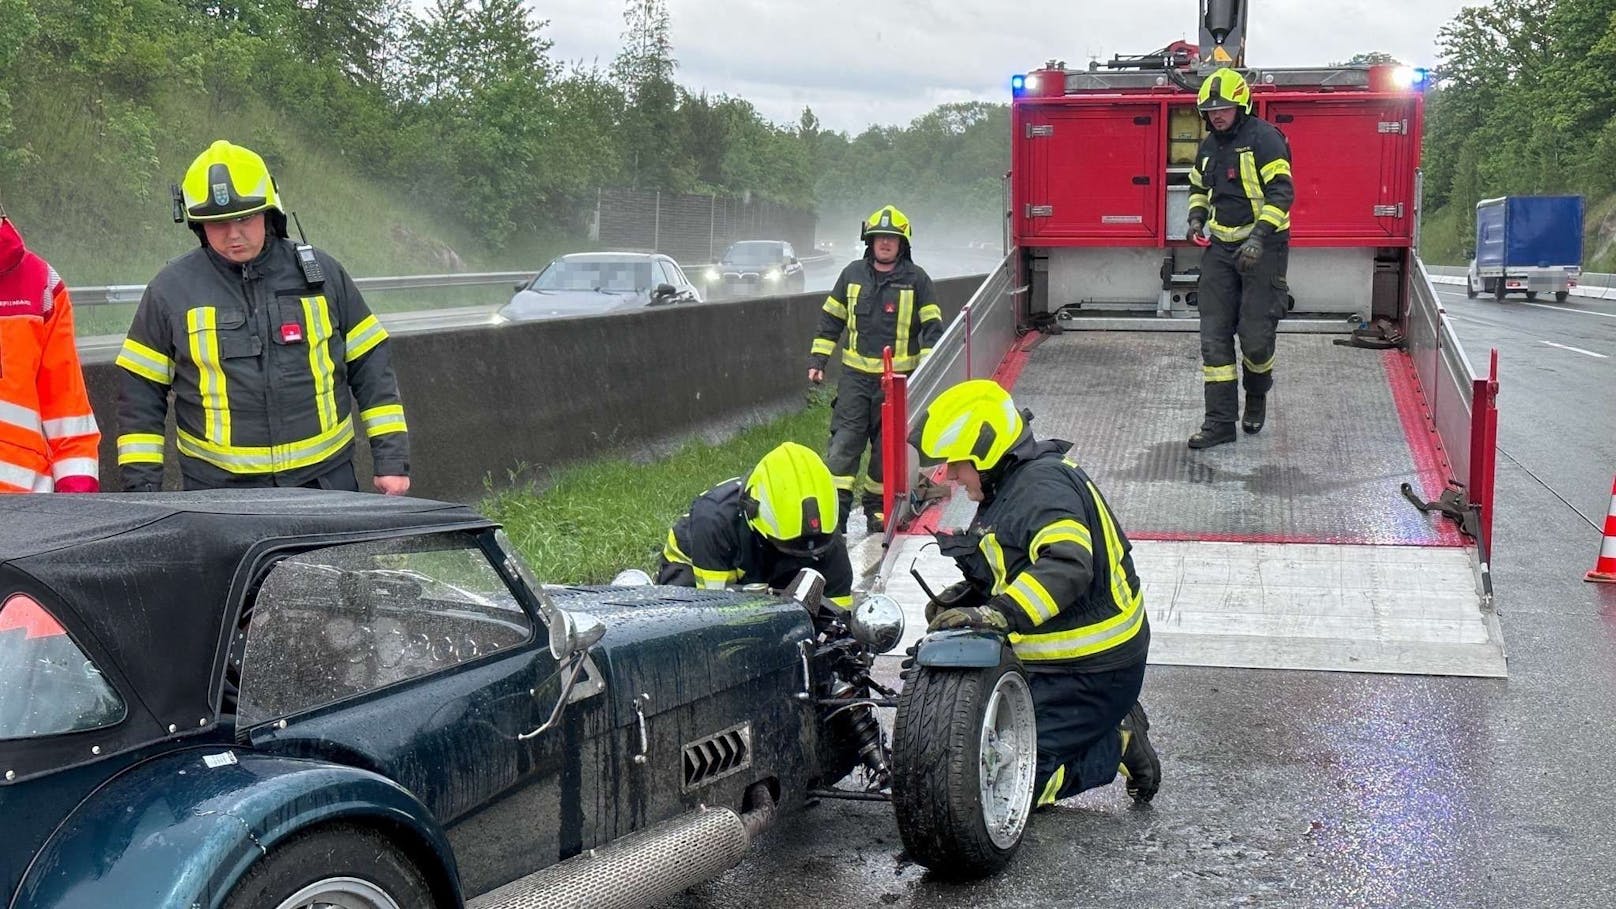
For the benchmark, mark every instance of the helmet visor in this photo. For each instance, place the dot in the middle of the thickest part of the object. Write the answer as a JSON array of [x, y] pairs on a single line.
[[812, 546]]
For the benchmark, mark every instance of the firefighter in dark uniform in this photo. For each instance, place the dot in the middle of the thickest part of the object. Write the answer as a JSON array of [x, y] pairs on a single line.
[[763, 529], [261, 340], [1242, 179], [882, 300], [1046, 563]]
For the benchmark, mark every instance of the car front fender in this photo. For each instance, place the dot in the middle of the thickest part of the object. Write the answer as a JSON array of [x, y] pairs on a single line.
[[182, 829], [962, 648]]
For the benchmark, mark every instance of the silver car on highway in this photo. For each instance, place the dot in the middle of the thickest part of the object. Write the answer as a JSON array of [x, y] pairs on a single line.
[[599, 283]]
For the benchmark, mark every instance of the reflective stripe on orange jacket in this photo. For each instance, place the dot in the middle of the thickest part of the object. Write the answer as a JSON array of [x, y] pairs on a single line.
[[48, 435]]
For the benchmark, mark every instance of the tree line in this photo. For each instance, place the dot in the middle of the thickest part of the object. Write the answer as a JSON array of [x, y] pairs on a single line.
[[460, 108]]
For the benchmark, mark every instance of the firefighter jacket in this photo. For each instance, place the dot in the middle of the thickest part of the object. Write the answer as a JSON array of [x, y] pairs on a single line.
[[897, 309], [48, 435], [260, 362], [1244, 179], [716, 541], [1050, 554]]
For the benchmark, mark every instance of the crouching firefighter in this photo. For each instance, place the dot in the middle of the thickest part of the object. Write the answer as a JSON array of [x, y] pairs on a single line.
[[762, 529], [1242, 177], [261, 342], [1046, 563], [882, 300]]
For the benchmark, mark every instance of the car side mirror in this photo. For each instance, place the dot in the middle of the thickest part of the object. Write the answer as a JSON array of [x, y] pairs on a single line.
[[794, 261], [664, 290], [521, 285], [571, 636]]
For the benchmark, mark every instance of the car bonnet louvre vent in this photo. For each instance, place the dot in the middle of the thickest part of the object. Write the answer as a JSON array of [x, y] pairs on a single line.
[[718, 755]]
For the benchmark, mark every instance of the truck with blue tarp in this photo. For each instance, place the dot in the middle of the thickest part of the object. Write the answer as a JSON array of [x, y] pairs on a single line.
[[1526, 244]]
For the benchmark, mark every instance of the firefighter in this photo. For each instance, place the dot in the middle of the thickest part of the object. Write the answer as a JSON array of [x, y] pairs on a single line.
[[261, 341], [763, 529], [48, 434], [1046, 562], [882, 300], [1242, 180]]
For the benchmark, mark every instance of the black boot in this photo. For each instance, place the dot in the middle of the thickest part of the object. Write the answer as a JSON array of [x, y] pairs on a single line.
[[1256, 413], [1139, 761], [1212, 434], [875, 522]]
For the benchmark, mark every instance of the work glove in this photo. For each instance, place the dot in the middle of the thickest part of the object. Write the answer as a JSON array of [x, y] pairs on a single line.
[[985, 618], [1196, 226], [960, 593], [1249, 254]]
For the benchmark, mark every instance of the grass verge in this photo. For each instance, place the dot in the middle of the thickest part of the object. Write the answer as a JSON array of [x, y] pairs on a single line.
[[593, 520]]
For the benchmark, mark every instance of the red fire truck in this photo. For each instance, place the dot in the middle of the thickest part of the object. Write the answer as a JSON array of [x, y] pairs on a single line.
[[1353, 532]]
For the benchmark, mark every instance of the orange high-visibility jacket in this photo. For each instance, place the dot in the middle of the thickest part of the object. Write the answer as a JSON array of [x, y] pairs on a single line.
[[48, 436]]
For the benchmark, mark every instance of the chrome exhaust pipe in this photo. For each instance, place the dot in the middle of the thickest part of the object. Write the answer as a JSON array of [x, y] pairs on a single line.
[[645, 868]]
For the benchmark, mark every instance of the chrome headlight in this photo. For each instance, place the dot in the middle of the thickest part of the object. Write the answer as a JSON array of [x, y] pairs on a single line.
[[713, 275], [877, 622], [772, 274]]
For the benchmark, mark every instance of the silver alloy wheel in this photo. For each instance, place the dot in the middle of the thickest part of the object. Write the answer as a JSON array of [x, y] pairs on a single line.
[[340, 893], [1007, 757]]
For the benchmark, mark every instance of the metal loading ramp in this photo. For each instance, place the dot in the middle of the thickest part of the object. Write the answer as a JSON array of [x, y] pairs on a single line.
[[1290, 549]]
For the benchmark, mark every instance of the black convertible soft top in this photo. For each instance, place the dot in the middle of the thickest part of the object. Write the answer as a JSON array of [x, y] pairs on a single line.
[[149, 586]]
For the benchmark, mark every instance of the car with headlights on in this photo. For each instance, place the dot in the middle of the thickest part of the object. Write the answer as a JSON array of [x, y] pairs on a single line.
[[755, 268], [599, 283]]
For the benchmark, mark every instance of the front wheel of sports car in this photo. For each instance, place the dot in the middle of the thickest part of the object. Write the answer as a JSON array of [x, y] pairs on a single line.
[[964, 752], [347, 867]]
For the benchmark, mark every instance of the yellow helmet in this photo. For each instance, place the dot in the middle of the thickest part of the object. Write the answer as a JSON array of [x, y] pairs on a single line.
[[886, 220], [791, 499], [973, 421], [1223, 89], [227, 181]]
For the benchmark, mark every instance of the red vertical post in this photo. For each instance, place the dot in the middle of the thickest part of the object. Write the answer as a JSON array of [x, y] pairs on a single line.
[[1484, 448], [894, 428]]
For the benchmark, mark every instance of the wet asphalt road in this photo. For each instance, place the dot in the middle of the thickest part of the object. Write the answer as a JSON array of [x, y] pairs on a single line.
[[1341, 790]]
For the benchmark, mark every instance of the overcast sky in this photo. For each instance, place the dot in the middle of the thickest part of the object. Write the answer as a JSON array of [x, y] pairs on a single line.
[[888, 61]]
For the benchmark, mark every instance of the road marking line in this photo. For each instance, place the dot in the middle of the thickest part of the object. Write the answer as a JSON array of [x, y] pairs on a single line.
[[1575, 349], [1580, 312]]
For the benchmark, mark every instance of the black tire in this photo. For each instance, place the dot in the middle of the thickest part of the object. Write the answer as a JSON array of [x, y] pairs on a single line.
[[937, 758], [1531, 296], [365, 862], [1498, 289], [1560, 295], [1470, 289]]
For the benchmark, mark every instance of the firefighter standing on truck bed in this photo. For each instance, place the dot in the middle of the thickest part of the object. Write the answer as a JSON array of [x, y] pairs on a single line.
[[883, 300], [1242, 177]]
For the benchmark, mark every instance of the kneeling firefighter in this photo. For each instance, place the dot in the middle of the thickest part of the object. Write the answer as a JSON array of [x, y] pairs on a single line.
[[762, 529], [1046, 563]]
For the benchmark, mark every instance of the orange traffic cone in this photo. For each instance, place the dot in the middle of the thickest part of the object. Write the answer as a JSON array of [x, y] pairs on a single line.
[[1605, 566]]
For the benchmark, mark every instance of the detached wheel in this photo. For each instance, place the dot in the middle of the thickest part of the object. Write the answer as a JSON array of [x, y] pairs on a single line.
[[964, 754], [337, 867]]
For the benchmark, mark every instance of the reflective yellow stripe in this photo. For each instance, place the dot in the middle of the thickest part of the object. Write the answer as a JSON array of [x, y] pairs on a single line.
[[1047, 797], [1267, 366], [1197, 179], [924, 353], [140, 448], [873, 485], [906, 313], [715, 580], [362, 338], [931, 312], [318, 319], [672, 552], [836, 308], [1200, 200], [145, 362], [852, 324], [1229, 234], [1276, 216], [1065, 530], [874, 365], [1275, 168], [1030, 594], [995, 555], [268, 459], [844, 484], [844, 602], [202, 325], [1219, 373], [379, 421], [824, 347], [1249, 182]]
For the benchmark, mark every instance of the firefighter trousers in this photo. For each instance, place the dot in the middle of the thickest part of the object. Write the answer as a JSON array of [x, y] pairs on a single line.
[[855, 423], [1079, 718], [1248, 306]]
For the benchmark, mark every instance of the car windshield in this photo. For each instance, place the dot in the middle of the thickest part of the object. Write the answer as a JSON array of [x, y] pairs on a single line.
[[753, 253], [609, 275]]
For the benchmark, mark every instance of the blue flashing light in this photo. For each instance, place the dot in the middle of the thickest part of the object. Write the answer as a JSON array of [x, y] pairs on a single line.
[[1018, 83], [1421, 76]]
